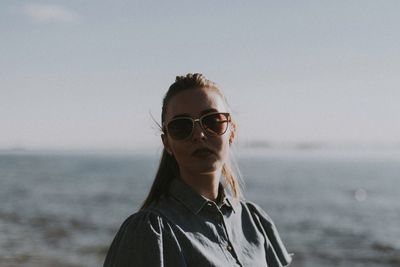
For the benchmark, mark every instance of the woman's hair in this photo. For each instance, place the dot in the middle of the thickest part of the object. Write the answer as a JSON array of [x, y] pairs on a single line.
[[168, 168]]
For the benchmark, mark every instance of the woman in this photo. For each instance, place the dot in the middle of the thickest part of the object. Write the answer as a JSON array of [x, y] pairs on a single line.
[[188, 219]]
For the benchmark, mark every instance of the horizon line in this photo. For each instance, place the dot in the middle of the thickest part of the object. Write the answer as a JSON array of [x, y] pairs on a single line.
[[252, 145]]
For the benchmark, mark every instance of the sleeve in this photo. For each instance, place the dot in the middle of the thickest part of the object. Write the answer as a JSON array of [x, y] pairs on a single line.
[[145, 240], [277, 255]]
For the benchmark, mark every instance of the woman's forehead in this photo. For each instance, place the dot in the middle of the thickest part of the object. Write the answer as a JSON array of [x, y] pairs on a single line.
[[194, 102]]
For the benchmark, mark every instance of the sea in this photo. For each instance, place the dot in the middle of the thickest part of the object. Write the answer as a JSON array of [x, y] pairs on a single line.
[[331, 207]]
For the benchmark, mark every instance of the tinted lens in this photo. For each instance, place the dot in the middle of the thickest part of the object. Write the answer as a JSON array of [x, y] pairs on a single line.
[[216, 123], [180, 128]]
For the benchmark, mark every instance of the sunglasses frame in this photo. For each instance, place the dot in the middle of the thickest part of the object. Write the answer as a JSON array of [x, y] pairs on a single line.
[[200, 121]]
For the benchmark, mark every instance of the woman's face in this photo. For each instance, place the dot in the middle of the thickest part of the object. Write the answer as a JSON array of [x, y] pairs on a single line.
[[202, 152]]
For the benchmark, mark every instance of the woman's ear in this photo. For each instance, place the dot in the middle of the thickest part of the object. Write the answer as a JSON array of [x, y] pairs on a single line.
[[166, 144]]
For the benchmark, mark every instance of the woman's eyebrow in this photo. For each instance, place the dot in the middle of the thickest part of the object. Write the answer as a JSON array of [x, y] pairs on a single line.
[[208, 111], [201, 113], [181, 115]]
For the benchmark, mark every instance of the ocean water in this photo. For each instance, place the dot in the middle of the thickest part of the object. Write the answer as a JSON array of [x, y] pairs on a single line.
[[331, 208]]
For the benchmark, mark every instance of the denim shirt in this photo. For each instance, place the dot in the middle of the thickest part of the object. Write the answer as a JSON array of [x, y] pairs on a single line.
[[186, 229]]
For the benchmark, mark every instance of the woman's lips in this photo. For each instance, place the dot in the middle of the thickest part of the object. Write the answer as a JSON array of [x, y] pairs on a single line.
[[203, 152]]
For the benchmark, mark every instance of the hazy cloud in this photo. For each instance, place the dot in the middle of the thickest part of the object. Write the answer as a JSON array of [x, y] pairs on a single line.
[[49, 13]]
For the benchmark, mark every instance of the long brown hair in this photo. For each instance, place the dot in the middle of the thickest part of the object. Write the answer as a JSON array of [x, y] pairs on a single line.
[[168, 168]]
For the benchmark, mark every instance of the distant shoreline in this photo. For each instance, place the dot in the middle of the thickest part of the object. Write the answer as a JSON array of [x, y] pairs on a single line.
[[254, 146]]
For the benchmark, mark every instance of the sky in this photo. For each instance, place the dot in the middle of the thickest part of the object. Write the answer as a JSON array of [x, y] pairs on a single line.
[[91, 74]]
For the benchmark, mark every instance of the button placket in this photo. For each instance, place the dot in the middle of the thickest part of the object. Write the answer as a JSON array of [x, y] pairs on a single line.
[[223, 234]]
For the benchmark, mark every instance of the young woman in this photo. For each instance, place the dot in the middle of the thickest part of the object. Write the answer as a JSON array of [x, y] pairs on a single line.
[[188, 218]]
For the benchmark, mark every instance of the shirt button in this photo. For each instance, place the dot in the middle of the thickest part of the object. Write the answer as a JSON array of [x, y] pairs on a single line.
[[228, 247]]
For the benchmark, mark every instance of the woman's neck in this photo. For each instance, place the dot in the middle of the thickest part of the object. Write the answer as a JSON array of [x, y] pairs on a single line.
[[205, 184]]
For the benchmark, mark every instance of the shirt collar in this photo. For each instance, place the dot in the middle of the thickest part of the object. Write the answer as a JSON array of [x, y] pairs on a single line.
[[193, 201], [230, 202]]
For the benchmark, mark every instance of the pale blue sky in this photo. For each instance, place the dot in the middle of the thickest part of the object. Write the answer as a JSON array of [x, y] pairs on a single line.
[[85, 74]]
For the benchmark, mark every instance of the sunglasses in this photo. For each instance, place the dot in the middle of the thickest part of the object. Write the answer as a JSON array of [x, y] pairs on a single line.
[[182, 127]]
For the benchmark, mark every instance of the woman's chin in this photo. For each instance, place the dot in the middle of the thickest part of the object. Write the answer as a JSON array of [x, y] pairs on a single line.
[[207, 167]]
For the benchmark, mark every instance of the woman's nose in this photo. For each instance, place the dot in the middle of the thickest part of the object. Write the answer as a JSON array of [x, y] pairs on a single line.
[[198, 132]]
